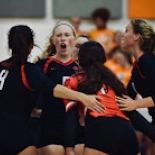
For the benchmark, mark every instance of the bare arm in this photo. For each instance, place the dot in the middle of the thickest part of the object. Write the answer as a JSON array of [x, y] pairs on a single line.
[[128, 104], [90, 101]]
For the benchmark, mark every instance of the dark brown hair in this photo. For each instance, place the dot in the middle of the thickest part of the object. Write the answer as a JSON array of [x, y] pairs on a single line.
[[91, 59], [20, 40], [102, 13]]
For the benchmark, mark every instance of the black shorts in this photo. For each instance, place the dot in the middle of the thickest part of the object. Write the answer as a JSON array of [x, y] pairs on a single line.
[[13, 147], [35, 130], [111, 135], [81, 135], [52, 134]]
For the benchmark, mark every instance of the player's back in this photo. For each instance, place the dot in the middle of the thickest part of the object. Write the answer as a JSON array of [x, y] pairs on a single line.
[[14, 107]]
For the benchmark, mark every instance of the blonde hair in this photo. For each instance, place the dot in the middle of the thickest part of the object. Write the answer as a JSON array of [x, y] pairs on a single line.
[[50, 48], [147, 33]]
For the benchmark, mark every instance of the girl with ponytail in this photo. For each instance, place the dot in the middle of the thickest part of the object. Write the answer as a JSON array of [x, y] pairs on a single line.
[[18, 79]]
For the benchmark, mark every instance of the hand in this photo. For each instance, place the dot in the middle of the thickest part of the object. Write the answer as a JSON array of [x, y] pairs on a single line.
[[126, 103], [70, 151], [92, 103]]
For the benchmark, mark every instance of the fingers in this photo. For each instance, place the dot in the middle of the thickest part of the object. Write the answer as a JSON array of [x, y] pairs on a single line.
[[121, 105], [124, 109], [98, 98], [125, 96], [96, 106], [98, 103], [97, 109], [120, 100], [100, 107]]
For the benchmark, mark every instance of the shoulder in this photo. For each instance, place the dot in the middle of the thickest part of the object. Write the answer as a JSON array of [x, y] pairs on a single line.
[[147, 58], [73, 81], [42, 61], [30, 68], [73, 62]]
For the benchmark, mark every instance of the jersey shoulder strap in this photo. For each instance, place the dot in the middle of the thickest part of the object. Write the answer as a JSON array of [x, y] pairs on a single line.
[[45, 68]]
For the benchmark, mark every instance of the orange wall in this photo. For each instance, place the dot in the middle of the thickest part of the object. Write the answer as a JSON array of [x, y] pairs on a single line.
[[141, 9]]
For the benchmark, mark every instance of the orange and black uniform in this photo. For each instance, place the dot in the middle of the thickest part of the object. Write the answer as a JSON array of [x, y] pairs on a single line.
[[143, 79], [53, 112], [16, 87], [110, 131]]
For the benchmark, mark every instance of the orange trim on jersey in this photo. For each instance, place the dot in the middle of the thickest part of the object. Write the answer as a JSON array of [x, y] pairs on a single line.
[[6, 64], [57, 61], [46, 65], [24, 79]]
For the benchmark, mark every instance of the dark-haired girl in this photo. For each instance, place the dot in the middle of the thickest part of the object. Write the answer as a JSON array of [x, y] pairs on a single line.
[[79, 41], [109, 132], [18, 79]]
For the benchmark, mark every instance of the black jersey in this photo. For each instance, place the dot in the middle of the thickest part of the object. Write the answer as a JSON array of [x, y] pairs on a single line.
[[143, 79], [16, 85], [53, 112]]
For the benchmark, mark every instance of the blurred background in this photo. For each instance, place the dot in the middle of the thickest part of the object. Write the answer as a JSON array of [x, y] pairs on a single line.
[[41, 15], [102, 20]]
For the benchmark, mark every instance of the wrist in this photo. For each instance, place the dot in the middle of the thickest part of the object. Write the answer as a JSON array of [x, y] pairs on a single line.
[[81, 97], [144, 103]]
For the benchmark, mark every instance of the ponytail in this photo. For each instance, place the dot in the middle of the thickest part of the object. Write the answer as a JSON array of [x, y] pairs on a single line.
[[20, 42]]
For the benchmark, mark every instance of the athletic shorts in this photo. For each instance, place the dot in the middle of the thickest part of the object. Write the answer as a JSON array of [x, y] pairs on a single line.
[[111, 135], [81, 135], [12, 148], [52, 134], [35, 130]]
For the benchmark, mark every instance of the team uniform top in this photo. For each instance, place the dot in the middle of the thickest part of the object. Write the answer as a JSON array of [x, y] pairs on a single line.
[[16, 85], [76, 111], [143, 79], [108, 100], [53, 112]]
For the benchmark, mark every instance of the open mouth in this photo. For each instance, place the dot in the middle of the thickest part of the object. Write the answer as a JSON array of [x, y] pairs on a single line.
[[63, 46], [122, 41]]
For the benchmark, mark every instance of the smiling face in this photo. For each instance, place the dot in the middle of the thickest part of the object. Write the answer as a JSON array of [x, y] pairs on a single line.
[[63, 39], [128, 37]]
